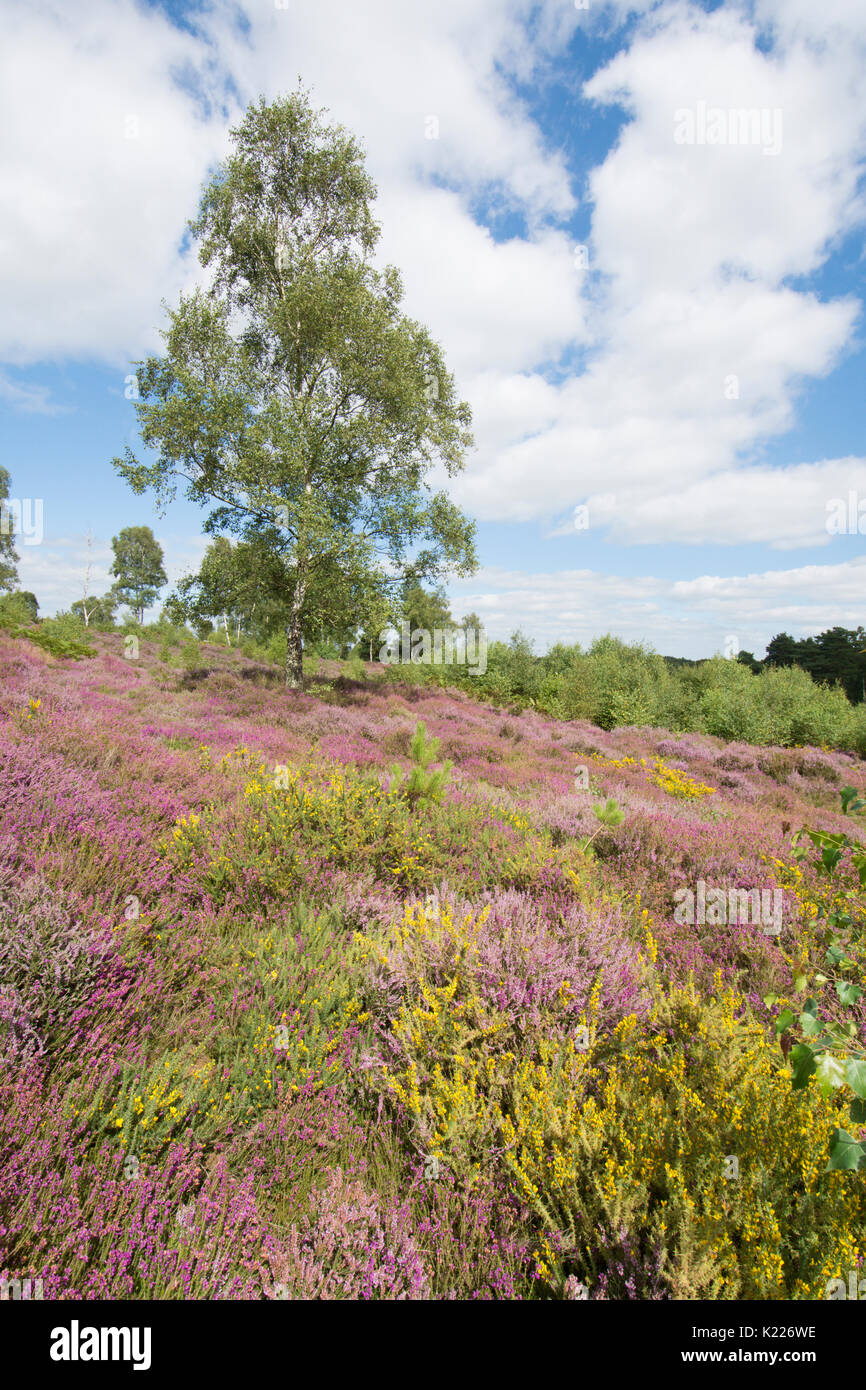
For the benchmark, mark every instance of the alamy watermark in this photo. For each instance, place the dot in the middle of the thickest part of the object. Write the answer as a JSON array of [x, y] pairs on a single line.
[[77, 1343], [22, 517], [730, 906], [21, 1288], [835, 1288], [444, 646], [847, 518], [713, 125]]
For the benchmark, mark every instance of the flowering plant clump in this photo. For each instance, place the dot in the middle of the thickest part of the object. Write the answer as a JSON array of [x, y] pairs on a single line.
[[281, 1017], [350, 1245], [677, 783]]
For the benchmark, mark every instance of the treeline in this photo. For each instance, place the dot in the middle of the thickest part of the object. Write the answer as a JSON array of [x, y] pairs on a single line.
[[836, 657], [613, 683]]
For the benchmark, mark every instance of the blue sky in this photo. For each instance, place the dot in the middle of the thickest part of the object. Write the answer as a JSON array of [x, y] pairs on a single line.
[[694, 378]]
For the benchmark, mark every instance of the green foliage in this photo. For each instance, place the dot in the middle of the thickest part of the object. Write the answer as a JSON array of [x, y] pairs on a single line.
[[425, 610], [609, 816], [51, 638], [18, 608], [614, 684], [8, 556], [96, 612], [138, 568], [827, 1049], [837, 655], [423, 783]]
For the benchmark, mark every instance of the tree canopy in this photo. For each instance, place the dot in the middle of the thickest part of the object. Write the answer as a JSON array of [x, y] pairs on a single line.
[[8, 556], [138, 568]]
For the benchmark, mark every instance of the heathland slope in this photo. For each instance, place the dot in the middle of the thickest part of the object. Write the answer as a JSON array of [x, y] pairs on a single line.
[[274, 1022]]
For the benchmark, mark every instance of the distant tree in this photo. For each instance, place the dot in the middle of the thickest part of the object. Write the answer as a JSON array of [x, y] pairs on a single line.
[[834, 657], [523, 665], [560, 658], [18, 608], [425, 610], [749, 659], [29, 603], [138, 567], [782, 650], [377, 619], [837, 655], [96, 612], [8, 555], [99, 611], [471, 623], [223, 593]]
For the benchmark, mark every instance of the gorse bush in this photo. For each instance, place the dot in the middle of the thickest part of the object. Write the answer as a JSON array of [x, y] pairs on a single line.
[[295, 825], [685, 1145]]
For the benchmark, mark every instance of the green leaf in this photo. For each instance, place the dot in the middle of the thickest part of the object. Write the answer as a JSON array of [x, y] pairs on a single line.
[[810, 1025], [850, 799], [829, 1073], [848, 993], [802, 1065], [855, 1075], [845, 1152], [858, 1112], [785, 1019], [800, 983]]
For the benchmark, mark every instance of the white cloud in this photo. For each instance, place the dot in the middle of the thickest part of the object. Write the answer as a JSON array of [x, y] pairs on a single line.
[[702, 344], [102, 157], [693, 617], [805, 504], [505, 305], [29, 397], [55, 570]]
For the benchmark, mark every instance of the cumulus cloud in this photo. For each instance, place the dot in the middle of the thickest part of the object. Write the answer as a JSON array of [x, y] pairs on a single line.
[[700, 343], [694, 618], [805, 504], [105, 146]]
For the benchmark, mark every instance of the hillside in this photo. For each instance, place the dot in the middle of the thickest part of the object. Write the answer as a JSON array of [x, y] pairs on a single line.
[[272, 1026]]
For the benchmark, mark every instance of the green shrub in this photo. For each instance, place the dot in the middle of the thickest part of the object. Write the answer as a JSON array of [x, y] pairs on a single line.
[[16, 610], [679, 1163], [50, 640]]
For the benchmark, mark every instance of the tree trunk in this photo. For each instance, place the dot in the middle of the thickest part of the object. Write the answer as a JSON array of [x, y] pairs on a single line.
[[294, 639]]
